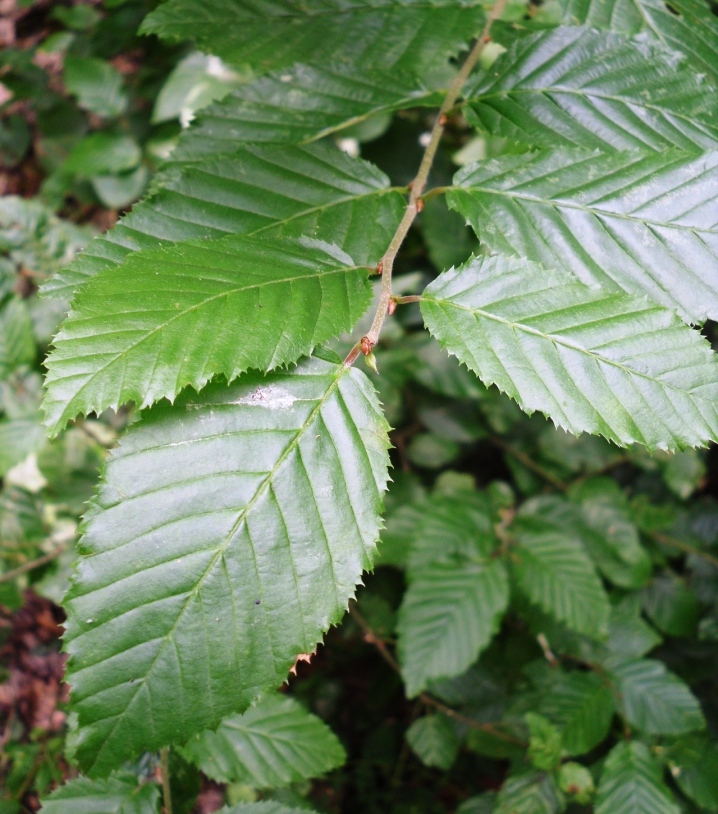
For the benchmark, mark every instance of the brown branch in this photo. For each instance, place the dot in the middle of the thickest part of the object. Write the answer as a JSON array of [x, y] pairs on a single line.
[[668, 540], [372, 638], [8, 576], [529, 463], [417, 186], [165, 770]]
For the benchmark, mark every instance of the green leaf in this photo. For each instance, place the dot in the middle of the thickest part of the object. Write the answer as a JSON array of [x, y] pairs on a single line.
[[581, 706], [270, 190], [457, 593], [637, 222], [434, 740], [578, 87], [178, 316], [576, 780], [684, 472], [18, 438], [687, 26], [693, 762], [273, 744], [609, 535], [216, 521], [631, 783], [97, 85], [449, 615], [299, 105], [545, 744], [268, 36], [483, 804], [553, 571], [195, 82], [577, 353], [655, 700], [671, 606], [530, 793], [266, 807], [118, 191], [101, 153], [119, 794], [454, 529], [629, 635], [17, 343]]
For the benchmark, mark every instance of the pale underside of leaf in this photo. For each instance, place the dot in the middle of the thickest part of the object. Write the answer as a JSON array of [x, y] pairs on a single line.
[[380, 35], [299, 105], [582, 88], [593, 361], [173, 317], [631, 783], [215, 521], [644, 223], [272, 191], [687, 26], [273, 744]]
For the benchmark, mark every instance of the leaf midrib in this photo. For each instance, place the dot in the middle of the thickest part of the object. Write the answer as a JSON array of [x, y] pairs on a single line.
[[558, 340], [162, 326], [261, 488]]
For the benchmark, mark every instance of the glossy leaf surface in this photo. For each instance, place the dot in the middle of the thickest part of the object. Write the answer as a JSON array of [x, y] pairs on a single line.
[[119, 794], [643, 223], [270, 190], [687, 26], [273, 744], [299, 105], [180, 315], [631, 783], [215, 522], [270, 35], [593, 361], [578, 87]]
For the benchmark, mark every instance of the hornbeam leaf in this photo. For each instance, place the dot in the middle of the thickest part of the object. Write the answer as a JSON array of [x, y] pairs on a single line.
[[554, 572], [178, 316], [434, 740], [687, 26], [457, 593], [593, 361], [270, 190], [579, 87], [397, 35], [297, 106], [631, 783], [274, 743], [119, 794], [644, 223], [655, 700], [265, 807], [581, 705], [449, 615], [227, 535]]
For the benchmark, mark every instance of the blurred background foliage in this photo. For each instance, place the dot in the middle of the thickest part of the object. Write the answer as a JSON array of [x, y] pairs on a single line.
[[88, 111]]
